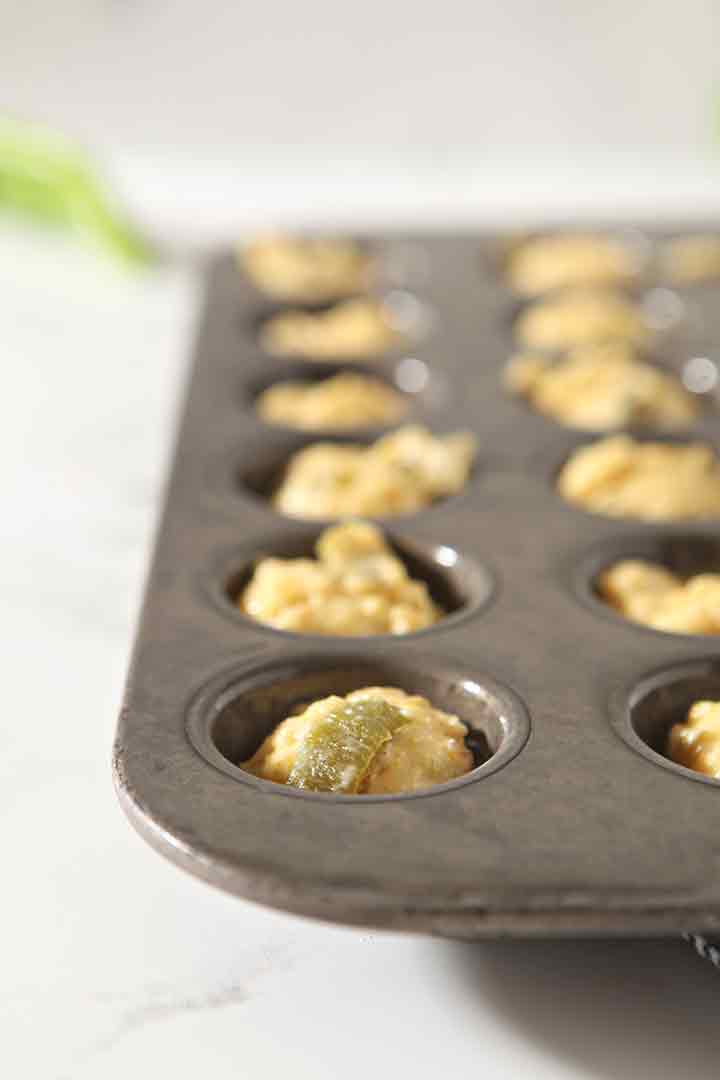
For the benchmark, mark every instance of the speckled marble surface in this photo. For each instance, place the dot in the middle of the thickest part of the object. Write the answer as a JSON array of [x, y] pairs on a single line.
[[114, 963]]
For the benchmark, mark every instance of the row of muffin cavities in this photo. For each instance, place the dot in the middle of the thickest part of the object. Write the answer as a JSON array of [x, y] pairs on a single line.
[[606, 387], [596, 356], [598, 380], [320, 270], [545, 262], [364, 326], [601, 381], [400, 630], [411, 469], [331, 299], [351, 580], [405, 470], [590, 280], [589, 342], [357, 584], [598, 387], [655, 393], [581, 364], [604, 384], [327, 313], [341, 724], [597, 390], [354, 731]]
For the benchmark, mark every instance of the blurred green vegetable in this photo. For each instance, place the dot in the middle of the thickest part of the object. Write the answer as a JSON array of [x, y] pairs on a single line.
[[46, 178]]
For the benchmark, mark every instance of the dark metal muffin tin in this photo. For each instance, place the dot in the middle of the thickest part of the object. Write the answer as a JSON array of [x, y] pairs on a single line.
[[575, 823]]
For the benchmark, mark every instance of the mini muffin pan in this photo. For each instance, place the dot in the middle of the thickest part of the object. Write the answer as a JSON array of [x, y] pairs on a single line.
[[572, 821]]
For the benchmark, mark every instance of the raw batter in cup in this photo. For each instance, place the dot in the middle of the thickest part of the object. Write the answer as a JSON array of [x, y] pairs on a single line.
[[349, 330], [357, 585], [375, 741], [620, 477], [649, 594], [404, 471], [695, 743], [552, 262], [688, 260], [600, 387], [306, 269], [341, 402], [580, 317]]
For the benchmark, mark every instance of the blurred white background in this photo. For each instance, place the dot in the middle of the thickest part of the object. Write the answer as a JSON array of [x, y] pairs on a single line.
[[379, 108], [381, 79]]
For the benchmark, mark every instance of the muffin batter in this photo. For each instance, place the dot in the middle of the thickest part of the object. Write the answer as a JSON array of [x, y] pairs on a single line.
[[355, 745], [401, 472], [696, 742], [344, 401], [349, 330], [357, 585], [554, 262], [690, 259], [600, 387], [620, 477], [580, 317], [306, 269], [649, 594]]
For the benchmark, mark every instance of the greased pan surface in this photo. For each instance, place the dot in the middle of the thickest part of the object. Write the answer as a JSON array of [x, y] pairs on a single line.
[[574, 825]]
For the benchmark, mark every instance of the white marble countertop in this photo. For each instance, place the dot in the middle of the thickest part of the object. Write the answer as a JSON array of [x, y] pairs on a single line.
[[114, 963]]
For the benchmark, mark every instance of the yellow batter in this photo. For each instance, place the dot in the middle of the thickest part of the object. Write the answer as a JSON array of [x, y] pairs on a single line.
[[428, 749], [357, 585], [555, 262], [649, 594], [696, 742], [600, 387], [341, 402], [307, 269], [404, 471], [620, 477], [690, 259], [349, 330], [580, 317]]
